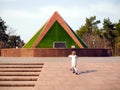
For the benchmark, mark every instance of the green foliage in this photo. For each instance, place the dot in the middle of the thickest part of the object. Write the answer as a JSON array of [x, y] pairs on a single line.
[[3, 28], [117, 28], [82, 31], [91, 24], [89, 31], [14, 41], [89, 27], [110, 31], [108, 35]]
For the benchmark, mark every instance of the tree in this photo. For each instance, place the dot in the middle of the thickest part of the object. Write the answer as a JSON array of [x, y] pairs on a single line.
[[111, 33], [14, 41], [90, 33], [3, 35], [8, 40], [117, 46]]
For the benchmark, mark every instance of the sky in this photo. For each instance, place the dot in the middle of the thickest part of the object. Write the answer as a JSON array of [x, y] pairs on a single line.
[[26, 17]]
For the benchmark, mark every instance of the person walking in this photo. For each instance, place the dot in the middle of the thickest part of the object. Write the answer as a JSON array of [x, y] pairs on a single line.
[[73, 57]]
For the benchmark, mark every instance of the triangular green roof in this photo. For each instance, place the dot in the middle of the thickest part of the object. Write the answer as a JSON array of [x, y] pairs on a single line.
[[33, 39], [56, 29]]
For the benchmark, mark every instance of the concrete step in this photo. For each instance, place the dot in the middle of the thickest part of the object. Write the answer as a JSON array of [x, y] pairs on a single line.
[[18, 78], [16, 82], [16, 88], [19, 73], [22, 63], [9, 74], [17, 85], [21, 66], [21, 70]]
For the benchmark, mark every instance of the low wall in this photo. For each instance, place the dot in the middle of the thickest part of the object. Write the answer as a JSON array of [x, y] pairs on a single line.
[[44, 52], [0, 52]]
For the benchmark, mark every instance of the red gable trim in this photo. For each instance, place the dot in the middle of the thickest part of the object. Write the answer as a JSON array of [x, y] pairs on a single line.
[[56, 17]]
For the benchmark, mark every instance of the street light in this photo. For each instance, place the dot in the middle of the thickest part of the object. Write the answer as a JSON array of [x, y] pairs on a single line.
[[93, 42]]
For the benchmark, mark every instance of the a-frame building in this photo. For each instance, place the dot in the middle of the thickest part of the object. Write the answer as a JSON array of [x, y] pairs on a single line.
[[55, 33]]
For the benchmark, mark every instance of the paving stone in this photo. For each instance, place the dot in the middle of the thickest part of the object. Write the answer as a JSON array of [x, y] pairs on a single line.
[[96, 73]]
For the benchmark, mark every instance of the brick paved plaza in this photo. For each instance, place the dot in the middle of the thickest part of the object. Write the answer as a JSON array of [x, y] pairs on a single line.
[[49, 73]]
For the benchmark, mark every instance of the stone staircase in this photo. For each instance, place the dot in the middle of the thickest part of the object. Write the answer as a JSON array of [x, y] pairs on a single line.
[[22, 75], [95, 74]]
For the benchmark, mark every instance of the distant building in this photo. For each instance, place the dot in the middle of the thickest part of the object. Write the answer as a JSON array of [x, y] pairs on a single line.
[[55, 33]]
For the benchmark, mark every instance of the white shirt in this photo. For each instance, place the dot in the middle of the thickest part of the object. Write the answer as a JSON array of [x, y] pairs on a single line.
[[74, 60]]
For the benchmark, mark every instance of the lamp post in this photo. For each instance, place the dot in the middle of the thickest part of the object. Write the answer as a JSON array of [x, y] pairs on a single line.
[[93, 42]]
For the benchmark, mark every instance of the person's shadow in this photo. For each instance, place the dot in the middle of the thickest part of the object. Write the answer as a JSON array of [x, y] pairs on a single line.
[[87, 71]]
